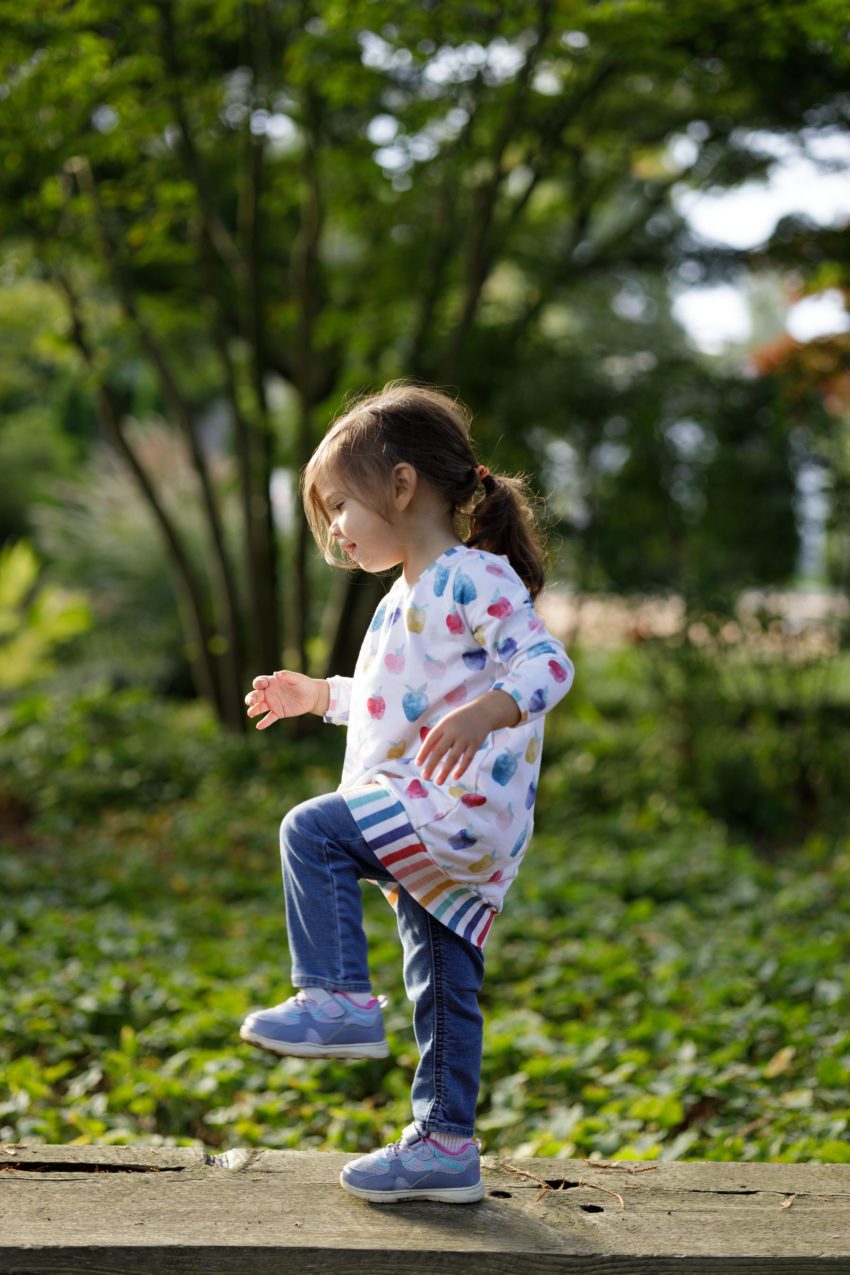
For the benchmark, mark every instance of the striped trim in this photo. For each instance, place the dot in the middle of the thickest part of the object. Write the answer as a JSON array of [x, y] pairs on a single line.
[[384, 823]]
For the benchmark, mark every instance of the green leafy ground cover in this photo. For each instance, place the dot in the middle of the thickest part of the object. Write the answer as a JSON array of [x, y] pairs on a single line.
[[657, 986]]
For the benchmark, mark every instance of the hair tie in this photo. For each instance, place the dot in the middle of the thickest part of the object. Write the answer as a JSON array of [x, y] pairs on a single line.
[[485, 477]]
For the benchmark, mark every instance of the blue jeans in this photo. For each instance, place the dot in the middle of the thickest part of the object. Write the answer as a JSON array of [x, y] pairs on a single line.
[[324, 856]]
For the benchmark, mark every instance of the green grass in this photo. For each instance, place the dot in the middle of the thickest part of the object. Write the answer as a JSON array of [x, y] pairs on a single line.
[[655, 987]]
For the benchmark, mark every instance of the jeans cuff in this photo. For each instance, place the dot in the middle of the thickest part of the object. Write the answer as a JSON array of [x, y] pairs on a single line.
[[460, 1131], [331, 984]]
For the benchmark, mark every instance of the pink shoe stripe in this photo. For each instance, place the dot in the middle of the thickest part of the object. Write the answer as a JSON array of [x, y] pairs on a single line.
[[429, 1137]]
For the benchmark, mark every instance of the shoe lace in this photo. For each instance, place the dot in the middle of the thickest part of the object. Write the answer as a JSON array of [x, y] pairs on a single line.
[[394, 1148]]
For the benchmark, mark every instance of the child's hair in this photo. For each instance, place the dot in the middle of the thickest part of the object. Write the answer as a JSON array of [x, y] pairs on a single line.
[[430, 431]]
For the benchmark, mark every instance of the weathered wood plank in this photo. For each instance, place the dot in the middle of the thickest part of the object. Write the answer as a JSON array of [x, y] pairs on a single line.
[[132, 1209]]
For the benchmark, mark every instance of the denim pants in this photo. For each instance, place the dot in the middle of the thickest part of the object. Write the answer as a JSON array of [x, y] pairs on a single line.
[[324, 856]]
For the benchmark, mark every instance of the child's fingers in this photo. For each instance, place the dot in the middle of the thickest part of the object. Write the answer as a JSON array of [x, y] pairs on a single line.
[[268, 720], [260, 683], [442, 753], [451, 759], [429, 755], [428, 744], [463, 766], [255, 709]]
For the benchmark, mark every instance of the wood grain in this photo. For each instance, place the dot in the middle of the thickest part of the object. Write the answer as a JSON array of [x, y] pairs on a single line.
[[132, 1209]]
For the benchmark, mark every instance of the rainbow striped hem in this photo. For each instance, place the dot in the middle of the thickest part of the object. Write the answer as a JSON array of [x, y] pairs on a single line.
[[384, 824]]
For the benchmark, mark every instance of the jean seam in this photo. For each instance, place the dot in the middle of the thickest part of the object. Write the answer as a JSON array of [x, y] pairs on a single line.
[[337, 935], [439, 1020]]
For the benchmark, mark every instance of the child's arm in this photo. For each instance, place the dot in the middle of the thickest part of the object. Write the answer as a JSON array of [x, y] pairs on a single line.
[[538, 673]]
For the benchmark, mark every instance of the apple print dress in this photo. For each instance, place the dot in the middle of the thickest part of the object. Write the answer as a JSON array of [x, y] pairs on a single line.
[[466, 626]]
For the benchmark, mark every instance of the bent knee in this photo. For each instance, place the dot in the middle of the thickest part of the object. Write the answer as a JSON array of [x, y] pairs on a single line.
[[304, 823], [296, 823]]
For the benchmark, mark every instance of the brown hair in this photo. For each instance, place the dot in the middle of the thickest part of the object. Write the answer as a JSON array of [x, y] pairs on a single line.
[[430, 431]]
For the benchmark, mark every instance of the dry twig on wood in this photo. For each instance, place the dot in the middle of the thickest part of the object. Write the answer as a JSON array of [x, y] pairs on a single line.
[[544, 1186], [619, 1168]]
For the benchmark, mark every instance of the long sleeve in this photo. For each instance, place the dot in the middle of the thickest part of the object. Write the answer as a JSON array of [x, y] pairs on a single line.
[[339, 700], [501, 617]]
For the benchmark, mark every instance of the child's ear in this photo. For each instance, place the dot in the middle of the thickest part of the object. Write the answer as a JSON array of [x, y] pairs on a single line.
[[404, 484]]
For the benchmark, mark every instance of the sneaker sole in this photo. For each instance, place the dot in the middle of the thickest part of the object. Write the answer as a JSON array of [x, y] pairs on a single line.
[[305, 1049], [444, 1195]]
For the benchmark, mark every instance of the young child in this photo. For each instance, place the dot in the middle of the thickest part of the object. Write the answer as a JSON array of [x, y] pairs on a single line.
[[445, 726]]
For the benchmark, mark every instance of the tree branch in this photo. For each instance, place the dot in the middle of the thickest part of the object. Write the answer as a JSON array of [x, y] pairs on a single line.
[[219, 236], [433, 272], [549, 136], [480, 246]]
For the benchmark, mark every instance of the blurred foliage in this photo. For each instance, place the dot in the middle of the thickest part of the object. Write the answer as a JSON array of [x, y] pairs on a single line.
[[44, 426], [659, 985], [813, 379], [96, 530], [35, 619], [233, 210]]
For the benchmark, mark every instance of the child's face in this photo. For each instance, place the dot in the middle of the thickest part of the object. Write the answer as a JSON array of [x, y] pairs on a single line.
[[367, 538]]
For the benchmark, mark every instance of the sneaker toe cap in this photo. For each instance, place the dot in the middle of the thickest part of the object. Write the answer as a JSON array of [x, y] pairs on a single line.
[[365, 1171]]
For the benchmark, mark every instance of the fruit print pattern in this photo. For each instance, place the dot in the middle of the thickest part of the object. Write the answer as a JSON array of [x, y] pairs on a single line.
[[466, 626], [394, 660], [414, 703], [441, 579]]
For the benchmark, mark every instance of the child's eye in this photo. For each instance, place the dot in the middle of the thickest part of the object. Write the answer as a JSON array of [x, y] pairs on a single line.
[[334, 508]]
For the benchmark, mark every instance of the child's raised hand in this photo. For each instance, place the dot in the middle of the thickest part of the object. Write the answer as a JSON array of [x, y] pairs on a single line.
[[282, 694]]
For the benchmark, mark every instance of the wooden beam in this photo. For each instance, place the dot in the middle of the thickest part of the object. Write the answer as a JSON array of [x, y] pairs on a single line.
[[135, 1209]]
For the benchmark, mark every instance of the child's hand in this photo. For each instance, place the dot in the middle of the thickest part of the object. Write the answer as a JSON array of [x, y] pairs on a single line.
[[455, 739], [459, 735], [282, 694]]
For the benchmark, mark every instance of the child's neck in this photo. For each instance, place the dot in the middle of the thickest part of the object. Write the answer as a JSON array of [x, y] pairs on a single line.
[[422, 553]]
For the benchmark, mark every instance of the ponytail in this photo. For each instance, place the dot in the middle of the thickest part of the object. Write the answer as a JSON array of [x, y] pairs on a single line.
[[504, 522]]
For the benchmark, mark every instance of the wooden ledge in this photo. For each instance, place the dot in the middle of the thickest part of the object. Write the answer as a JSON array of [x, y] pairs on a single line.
[[133, 1209]]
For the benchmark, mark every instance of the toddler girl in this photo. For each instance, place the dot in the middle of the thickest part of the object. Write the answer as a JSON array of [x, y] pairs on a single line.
[[445, 726]]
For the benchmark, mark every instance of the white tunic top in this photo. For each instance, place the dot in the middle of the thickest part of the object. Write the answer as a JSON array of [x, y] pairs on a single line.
[[466, 626]]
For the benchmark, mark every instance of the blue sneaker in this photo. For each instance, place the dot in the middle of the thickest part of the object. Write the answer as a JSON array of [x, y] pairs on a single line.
[[302, 1028], [416, 1167]]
